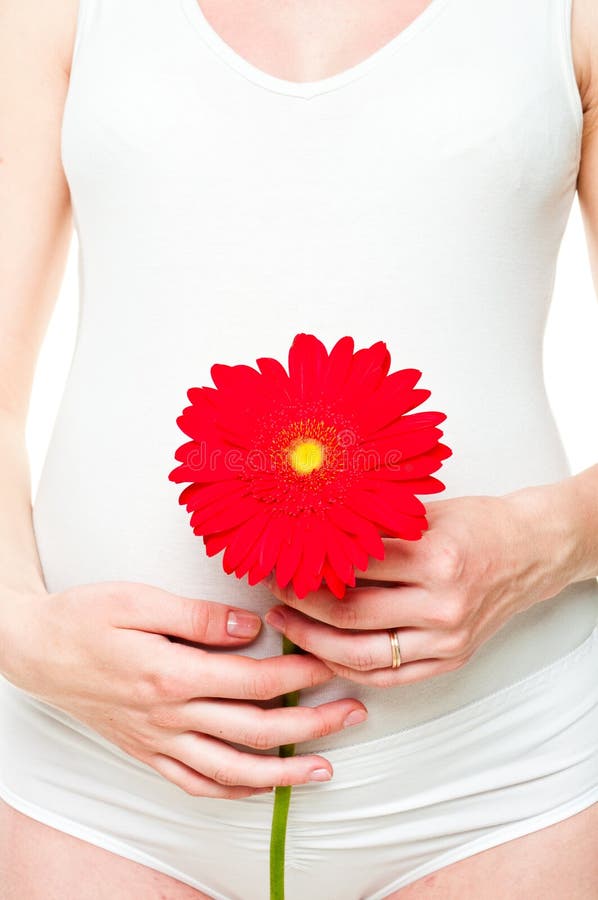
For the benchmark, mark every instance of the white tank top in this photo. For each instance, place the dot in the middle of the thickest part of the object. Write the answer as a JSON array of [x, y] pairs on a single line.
[[418, 197]]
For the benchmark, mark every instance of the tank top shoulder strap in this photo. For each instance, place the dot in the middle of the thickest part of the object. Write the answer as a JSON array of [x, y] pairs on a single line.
[[527, 45], [563, 12], [84, 15], [111, 17], [546, 40], [116, 21]]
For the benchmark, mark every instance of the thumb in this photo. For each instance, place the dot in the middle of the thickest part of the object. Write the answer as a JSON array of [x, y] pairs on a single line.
[[149, 608]]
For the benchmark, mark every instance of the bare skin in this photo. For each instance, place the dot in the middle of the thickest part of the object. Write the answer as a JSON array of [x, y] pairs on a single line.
[[298, 41]]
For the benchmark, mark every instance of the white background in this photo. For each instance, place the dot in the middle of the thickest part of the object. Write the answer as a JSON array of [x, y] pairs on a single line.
[[570, 355]]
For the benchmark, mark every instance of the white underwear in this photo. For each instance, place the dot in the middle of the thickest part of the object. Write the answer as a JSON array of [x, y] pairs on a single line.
[[396, 808]]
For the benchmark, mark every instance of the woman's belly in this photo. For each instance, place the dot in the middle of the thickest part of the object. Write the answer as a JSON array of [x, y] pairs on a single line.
[[106, 511]]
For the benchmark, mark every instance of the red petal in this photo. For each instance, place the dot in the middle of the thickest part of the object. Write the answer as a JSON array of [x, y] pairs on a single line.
[[338, 367], [416, 466], [196, 425], [275, 375], [353, 549], [214, 543], [340, 562], [205, 394], [386, 402], [203, 464], [233, 513], [302, 582], [255, 574], [388, 446], [397, 494], [391, 520], [272, 538], [307, 364], [334, 582], [251, 557], [368, 369], [427, 485], [415, 421], [197, 496], [235, 378], [200, 414], [247, 534], [353, 523], [314, 546], [290, 554], [188, 493], [393, 399]]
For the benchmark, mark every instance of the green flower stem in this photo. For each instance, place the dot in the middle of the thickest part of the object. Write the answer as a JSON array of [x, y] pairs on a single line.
[[282, 798]]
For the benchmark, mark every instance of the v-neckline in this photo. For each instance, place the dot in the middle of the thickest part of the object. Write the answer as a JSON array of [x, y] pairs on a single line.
[[306, 89]]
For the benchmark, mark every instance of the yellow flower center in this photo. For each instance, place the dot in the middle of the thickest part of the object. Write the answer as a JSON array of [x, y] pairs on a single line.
[[306, 455]]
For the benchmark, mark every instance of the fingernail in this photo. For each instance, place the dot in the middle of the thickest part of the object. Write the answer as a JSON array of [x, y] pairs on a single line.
[[242, 624], [319, 775], [275, 619], [355, 717]]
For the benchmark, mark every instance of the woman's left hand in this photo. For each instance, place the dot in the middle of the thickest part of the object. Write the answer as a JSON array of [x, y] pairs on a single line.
[[482, 560]]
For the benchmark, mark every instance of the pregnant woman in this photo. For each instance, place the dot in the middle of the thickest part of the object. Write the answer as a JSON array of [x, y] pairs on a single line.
[[238, 172]]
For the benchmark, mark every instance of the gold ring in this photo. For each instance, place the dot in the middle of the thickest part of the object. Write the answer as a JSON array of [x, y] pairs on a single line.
[[393, 633]]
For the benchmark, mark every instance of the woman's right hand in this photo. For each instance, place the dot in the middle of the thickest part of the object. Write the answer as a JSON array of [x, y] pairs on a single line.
[[100, 653]]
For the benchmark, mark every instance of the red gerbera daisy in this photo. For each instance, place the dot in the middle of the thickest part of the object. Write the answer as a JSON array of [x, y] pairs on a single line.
[[303, 472]]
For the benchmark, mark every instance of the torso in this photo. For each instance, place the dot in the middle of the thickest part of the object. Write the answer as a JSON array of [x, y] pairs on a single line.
[[223, 206]]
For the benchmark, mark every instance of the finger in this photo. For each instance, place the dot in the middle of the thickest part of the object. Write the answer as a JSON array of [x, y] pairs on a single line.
[[404, 561], [405, 674], [361, 650], [148, 608], [230, 766], [192, 672], [374, 582], [366, 607], [263, 729], [198, 785]]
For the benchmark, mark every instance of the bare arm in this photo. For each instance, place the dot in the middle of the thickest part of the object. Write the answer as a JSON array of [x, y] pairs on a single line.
[[575, 499], [35, 231]]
